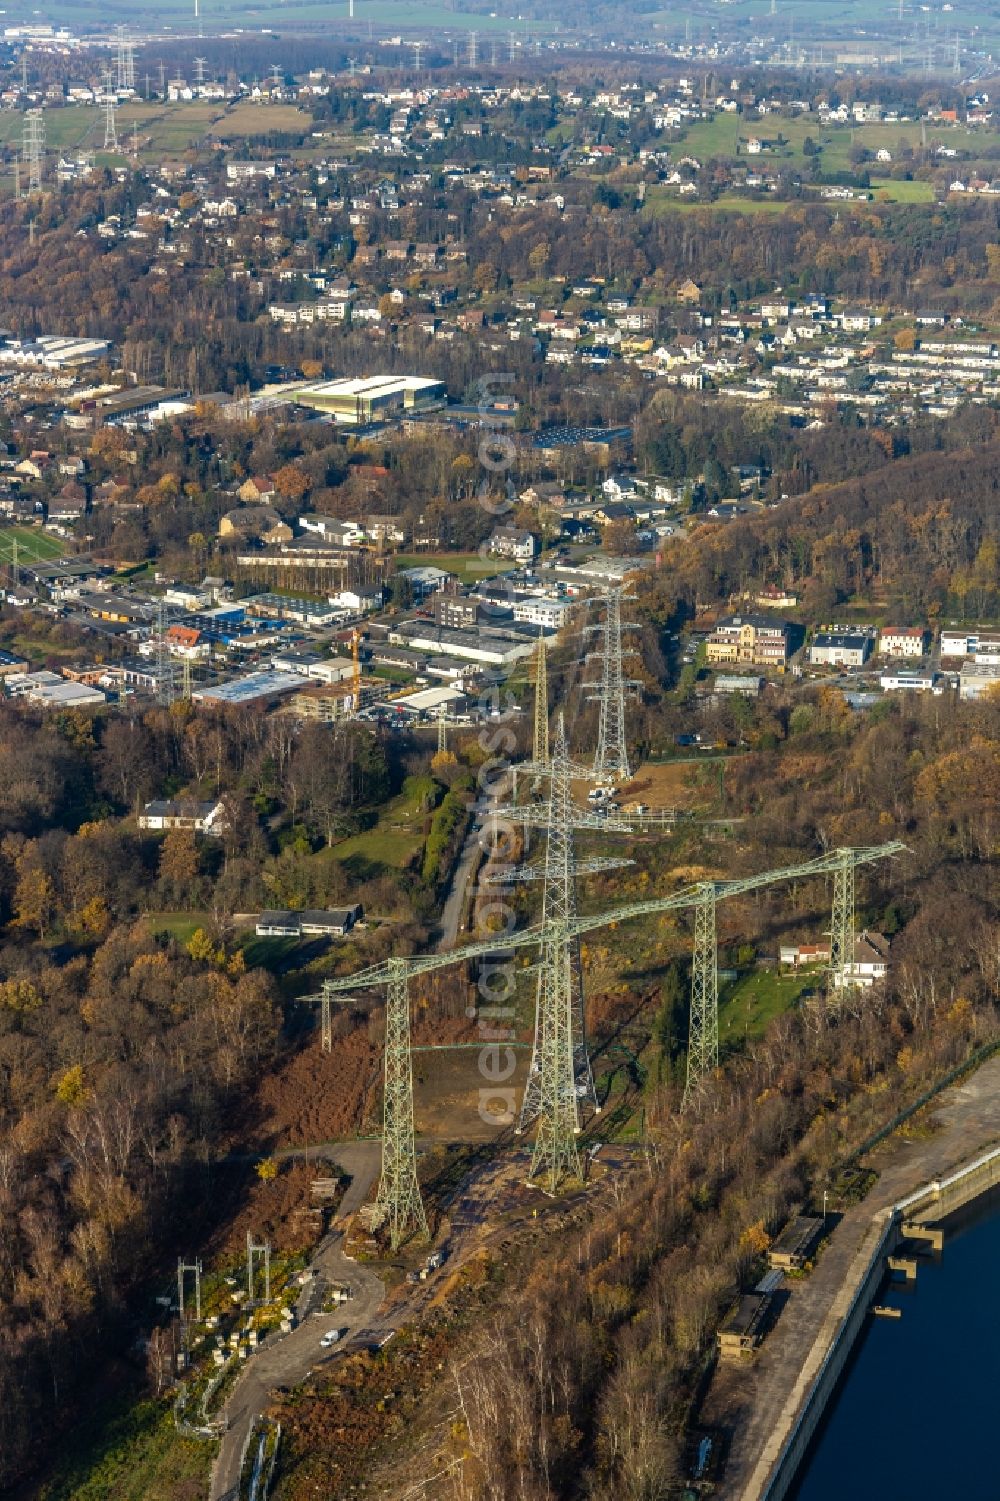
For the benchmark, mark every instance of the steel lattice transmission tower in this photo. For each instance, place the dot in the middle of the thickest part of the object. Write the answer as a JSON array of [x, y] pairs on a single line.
[[398, 1202], [560, 964], [398, 1198], [540, 752], [33, 147], [556, 1157], [110, 130], [124, 59], [611, 758], [442, 732], [842, 934], [703, 1025], [165, 686]]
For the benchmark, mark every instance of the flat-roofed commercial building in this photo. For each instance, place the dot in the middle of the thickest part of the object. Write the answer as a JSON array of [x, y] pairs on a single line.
[[358, 401]]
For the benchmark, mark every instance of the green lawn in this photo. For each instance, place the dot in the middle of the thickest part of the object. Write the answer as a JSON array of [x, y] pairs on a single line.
[[723, 135], [179, 925], [129, 1451], [161, 129], [395, 839], [468, 566], [756, 999], [903, 192], [33, 545], [665, 201]]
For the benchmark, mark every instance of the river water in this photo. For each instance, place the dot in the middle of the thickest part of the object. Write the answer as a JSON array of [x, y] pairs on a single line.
[[917, 1411]]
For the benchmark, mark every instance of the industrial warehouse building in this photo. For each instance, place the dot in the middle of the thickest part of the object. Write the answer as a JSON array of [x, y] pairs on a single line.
[[358, 401]]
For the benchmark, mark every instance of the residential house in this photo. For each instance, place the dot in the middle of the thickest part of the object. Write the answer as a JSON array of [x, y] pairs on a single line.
[[259, 488], [255, 522], [454, 610], [540, 610], [70, 504], [183, 813], [869, 964], [753, 640], [513, 542], [382, 529], [338, 533], [776, 599], [797, 955], [902, 641]]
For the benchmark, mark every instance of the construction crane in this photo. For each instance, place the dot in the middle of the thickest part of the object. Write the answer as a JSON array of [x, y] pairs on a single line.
[[398, 1199], [356, 660]]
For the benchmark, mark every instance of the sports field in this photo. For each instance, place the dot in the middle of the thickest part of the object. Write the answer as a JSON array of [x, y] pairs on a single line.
[[33, 545]]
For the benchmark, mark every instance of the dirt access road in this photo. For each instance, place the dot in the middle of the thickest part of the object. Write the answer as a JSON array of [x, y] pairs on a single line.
[[287, 1359]]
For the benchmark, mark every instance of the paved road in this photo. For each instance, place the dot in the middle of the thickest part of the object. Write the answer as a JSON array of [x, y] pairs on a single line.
[[453, 910], [287, 1359]]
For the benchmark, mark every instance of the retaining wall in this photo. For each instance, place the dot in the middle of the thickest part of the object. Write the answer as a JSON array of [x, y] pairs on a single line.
[[778, 1465]]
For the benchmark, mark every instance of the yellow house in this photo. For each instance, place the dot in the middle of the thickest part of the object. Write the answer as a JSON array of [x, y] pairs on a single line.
[[750, 639]]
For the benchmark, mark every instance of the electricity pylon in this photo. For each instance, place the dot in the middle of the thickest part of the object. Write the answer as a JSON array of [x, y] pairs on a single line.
[[560, 818], [560, 1062], [703, 1023], [262, 1250], [33, 147], [182, 1268], [125, 60], [110, 130], [442, 732], [611, 758], [540, 753], [164, 661], [842, 925], [398, 1197], [397, 1201]]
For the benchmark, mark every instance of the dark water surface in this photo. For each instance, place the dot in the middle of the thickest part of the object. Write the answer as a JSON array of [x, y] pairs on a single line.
[[917, 1414]]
